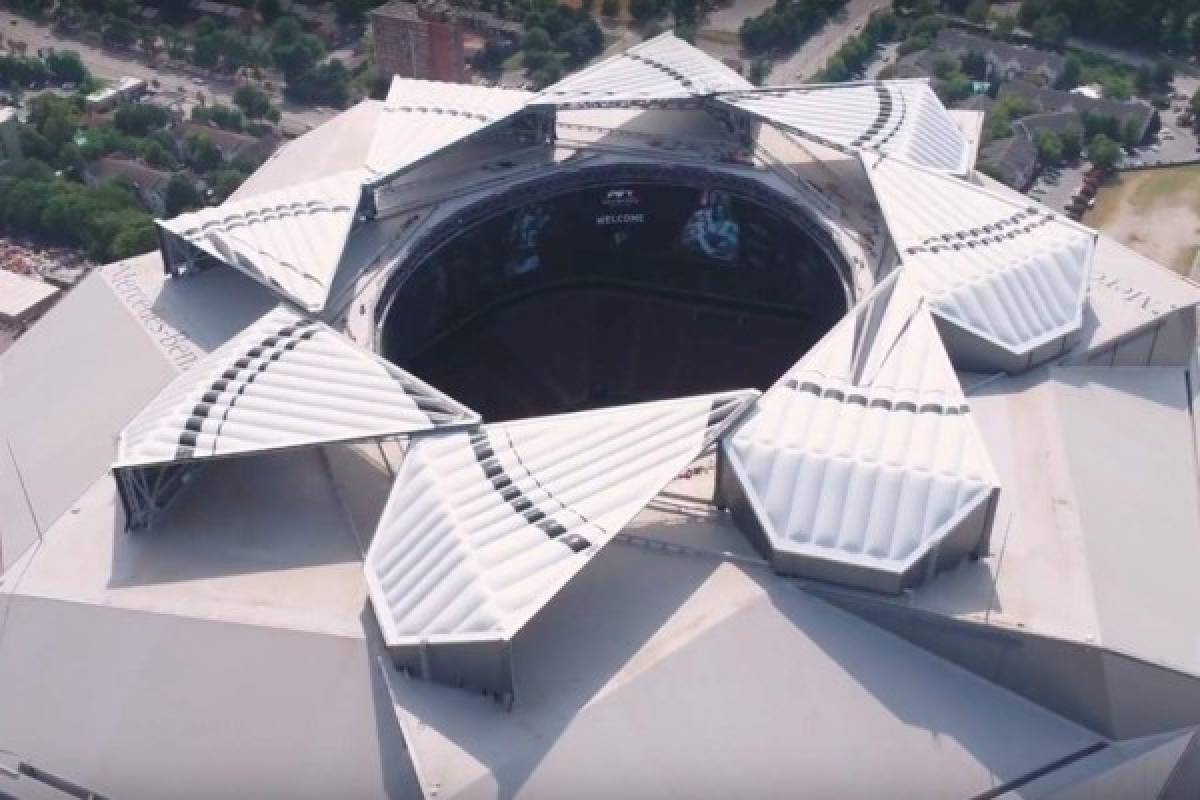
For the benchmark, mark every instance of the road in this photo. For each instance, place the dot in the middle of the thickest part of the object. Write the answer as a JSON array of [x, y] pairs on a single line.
[[110, 65], [812, 56]]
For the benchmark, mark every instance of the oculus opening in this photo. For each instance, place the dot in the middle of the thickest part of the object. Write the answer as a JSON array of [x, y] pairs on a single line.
[[612, 294]]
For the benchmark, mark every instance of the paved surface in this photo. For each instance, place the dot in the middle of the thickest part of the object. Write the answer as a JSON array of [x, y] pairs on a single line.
[[111, 65], [811, 57]]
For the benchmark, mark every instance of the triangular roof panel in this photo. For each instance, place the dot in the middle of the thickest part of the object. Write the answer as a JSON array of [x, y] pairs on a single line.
[[864, 456], [420, 118], [659, 69], [901, 118], [290, 240], [482, 528], [1013, 274], [285, 381]]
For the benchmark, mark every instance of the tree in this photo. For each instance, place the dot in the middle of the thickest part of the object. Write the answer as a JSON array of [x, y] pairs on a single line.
[[645, 10], [139, 119], [203, 155], [66, 67], [1050, 148], [1071, 140], [1051, 30], [945, 66], [1164, 72], [119, 32], [975, 65], [609, 8], [254, 103], [206, 51], [1116, 87], [1131, 132], [1144, 79], [759, 69], [977, 11], [1072, 72], [536, 39], [181, 195], [269, 9], [956, 89], [1103, 152]]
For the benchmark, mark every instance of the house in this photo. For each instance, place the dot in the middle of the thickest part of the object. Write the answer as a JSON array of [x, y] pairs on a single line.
[[1046, 100], [231, 143], [1005, 61], [149, 183], [1012, 160]]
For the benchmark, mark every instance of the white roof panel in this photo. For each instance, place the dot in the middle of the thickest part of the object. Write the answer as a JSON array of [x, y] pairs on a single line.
[[482, 528], [901, 118], [291, 240], [21, 293], [420, 118], [1013, 274], [285, 381], [865, 452], [662, 68]]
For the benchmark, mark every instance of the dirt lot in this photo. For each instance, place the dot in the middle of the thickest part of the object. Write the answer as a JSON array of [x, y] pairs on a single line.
[[1156, 212]]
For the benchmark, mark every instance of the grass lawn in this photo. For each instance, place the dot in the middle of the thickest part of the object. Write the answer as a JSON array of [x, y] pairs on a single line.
[[1156, 212]]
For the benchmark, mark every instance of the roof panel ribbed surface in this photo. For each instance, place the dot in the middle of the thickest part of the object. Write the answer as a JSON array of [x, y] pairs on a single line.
[[662, 68], [290, 240], [865, 451], [1012, 273], [483, 527], [419, 118], [285, 381], [902, 118]]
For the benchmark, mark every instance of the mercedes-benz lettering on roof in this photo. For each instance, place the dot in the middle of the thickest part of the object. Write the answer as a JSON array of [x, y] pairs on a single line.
[[660, 69], [285, 381], [900, 118], [1012, 277], [863, 464], [483, 527]]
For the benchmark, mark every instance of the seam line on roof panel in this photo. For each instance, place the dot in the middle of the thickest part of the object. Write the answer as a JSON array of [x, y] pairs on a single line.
[[1030, 777]]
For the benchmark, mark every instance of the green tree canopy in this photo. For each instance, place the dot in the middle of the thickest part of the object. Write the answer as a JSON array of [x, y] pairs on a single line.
[[1103, 152]]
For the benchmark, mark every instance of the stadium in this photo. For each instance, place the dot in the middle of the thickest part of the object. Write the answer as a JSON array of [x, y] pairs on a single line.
[[652, 435]]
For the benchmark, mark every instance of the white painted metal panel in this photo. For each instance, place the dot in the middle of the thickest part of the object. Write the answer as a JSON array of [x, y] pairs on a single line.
[[900, 118], [662, 68], [482, 528], [421, 118], [865, 452], [290, 240], [285, 381], [1013, 274]]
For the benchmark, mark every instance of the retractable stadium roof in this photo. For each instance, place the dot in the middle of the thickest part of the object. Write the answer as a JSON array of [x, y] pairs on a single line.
[[483, 527], [290, 240], [285, 381], [657, 71], [421, 118], [863, 465], [904, 119], [1008, 278]]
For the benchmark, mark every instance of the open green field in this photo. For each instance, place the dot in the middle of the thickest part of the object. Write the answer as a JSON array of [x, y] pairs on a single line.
[[1156, 212]]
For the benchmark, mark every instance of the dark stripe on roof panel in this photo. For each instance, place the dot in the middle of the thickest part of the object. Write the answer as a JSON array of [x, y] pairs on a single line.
[[506, 487], [881, 116]]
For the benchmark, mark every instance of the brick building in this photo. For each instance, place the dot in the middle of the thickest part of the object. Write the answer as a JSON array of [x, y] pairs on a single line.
[[419, 41]]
